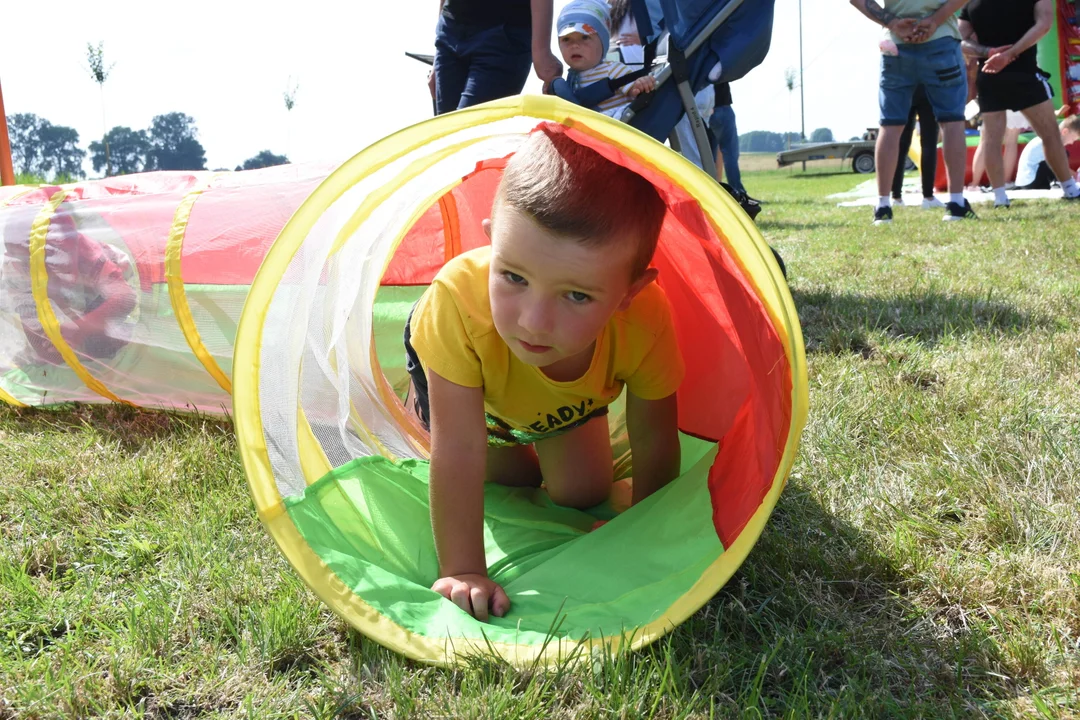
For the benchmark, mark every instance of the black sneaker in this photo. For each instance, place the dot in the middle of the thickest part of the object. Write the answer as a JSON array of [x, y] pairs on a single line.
[[883, 215], [956, 211], [1002, 206]]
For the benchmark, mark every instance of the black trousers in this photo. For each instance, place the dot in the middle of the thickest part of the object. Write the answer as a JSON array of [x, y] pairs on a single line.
[[928, 135]]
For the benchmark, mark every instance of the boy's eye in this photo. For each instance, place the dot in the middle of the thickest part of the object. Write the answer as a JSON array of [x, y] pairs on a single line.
[[513, 278], [579, 298]]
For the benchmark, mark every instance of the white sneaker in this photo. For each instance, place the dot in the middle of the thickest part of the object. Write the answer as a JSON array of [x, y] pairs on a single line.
[[932, 202]]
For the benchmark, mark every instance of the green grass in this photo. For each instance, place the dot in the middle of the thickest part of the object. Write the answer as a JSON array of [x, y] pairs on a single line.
[[924, 560]]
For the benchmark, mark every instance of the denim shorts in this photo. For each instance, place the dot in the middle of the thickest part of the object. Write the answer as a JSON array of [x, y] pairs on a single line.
[[938, 65]]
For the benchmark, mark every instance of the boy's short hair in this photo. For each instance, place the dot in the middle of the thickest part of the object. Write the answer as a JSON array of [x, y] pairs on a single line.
[[1072, 124], [573, 191]]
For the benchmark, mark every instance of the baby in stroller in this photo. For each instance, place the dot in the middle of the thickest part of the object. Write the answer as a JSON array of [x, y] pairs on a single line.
[[584, 39]]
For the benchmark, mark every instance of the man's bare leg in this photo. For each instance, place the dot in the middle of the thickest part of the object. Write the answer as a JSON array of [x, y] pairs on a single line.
[[993, 133], [886, 154], [1044, 123]]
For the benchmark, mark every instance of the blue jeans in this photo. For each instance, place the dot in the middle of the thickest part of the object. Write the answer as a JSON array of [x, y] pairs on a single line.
[[726, 135], [476, 64], [938, 66]]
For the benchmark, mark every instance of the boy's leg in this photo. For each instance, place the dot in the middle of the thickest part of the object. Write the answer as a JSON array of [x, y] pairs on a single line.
[[886, 155], [993, 134], [577, 465], [514, 466], [1012, 150], [901, 153], [895, 91], [941, 70], [928, 138], [955, 151], [1044, 123]]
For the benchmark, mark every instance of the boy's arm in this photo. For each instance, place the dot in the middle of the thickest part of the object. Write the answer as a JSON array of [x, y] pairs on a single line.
[[653, 426], [1044, 19], [546, 65], [458, 463], [901, 27]]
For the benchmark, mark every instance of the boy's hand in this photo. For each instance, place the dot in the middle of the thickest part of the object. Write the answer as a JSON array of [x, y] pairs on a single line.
[[474, 593], [642, 84], [628, 39], [904, 28], [999, 58]]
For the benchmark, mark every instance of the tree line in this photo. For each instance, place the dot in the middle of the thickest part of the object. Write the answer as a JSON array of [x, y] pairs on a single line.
[[43, 150], [765, 141]]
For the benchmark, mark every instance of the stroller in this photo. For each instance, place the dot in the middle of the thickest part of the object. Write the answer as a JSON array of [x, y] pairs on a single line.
[[707, 41]]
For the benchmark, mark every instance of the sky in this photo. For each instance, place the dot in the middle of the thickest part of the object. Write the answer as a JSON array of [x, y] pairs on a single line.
[[228, 63]]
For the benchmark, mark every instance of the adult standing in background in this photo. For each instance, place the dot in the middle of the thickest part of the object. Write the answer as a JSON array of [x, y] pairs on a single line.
[[484, 49], [928, 52], [928, 138], [1003, 34], [726, 136]]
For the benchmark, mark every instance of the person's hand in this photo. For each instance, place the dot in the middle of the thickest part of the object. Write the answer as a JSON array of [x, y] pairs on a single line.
[[998, 60], [642, 84], [924, 29], [547, 66], [628, 39], [474, 593], [903, 28], [431, 82]]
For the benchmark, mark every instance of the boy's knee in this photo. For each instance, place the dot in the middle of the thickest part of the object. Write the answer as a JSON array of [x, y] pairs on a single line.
[[583, 494]]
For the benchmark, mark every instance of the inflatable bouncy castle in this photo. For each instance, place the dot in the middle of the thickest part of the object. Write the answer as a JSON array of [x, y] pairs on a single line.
[[336, 468]]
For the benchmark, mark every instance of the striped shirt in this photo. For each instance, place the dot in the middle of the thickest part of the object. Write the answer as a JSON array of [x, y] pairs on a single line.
[[608, 69]]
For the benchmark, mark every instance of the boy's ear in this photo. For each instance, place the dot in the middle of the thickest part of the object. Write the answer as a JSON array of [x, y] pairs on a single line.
[[486, 224], [637, 286]]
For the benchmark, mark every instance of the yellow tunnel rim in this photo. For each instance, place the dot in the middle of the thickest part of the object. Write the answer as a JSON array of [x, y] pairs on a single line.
[[761, 272]]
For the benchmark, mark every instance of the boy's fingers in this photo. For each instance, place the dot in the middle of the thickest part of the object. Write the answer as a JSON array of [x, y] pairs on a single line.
[[459, 595], [479, 597], [500, 603]]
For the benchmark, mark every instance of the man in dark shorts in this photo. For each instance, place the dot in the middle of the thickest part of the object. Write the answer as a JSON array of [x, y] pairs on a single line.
[[484, 48], [1003, 33]]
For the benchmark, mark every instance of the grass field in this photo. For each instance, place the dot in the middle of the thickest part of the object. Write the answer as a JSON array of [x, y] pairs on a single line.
[[923, 562]]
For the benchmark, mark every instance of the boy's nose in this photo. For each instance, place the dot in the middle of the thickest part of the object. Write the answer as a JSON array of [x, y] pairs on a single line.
[[536, 319]]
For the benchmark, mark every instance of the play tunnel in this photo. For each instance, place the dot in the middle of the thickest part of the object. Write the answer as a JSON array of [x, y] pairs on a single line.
[[129, 289], [338, 470]]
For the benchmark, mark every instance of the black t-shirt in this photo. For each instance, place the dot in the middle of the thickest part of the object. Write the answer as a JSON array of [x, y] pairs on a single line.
[[489, 13], [1003, 22], [723, 93]]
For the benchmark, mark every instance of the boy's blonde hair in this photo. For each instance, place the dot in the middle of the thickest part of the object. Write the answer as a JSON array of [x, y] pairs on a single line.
[[573, 191], [1072, 124]]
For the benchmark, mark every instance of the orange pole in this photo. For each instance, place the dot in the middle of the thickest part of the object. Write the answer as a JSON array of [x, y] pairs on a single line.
[[7, 174]]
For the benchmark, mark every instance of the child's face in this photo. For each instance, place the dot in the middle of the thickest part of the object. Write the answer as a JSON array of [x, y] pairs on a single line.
[[581, 52], [551, 296]]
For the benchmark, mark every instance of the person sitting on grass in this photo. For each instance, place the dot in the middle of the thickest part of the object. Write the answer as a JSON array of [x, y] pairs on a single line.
[[516, 350], [584, 36], [1033, 172]]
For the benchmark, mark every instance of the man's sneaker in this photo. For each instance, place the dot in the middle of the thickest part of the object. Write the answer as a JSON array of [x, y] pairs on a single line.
[[898, 201], [956, 211], [1072, 198], [883, 215], [1002, 205], [932, 202]]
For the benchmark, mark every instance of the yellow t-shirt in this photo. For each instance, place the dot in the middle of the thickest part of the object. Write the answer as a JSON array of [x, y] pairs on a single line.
[[454, 335]]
